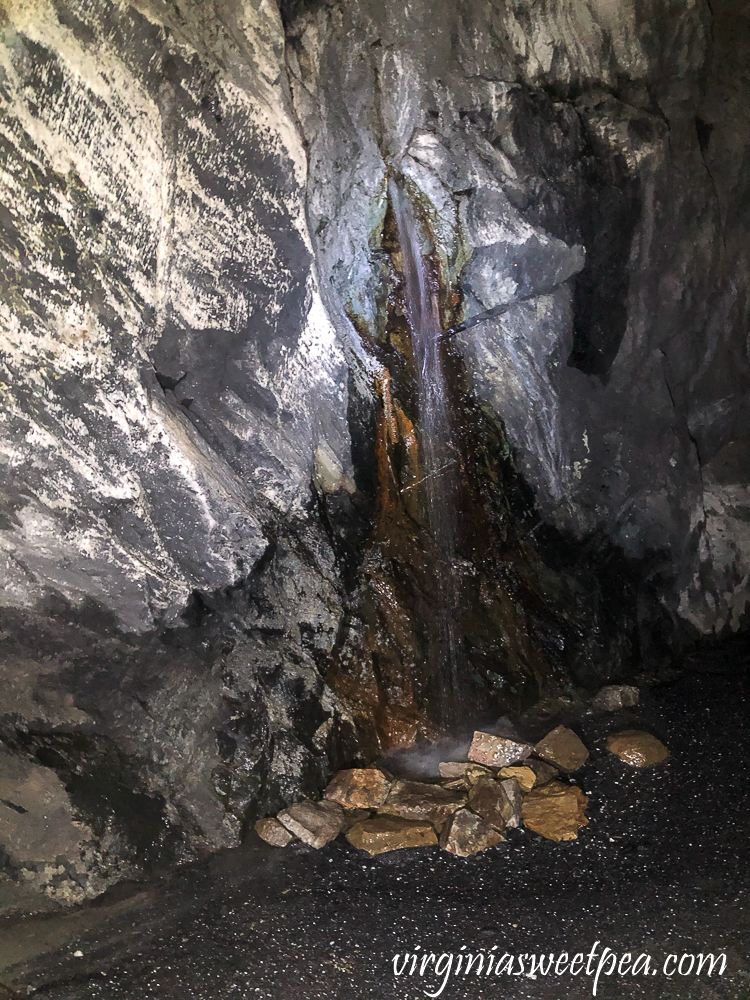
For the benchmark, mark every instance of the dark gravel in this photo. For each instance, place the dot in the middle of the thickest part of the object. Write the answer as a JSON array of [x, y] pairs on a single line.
[[662, 868]]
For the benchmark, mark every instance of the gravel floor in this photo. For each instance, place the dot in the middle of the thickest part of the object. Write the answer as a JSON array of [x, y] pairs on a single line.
[[661, 869]]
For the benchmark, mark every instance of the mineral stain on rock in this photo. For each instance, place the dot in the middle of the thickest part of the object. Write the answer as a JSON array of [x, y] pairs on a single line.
[[217, 509]]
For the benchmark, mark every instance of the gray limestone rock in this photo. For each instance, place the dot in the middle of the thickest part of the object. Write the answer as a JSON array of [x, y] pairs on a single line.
[[195, 283]]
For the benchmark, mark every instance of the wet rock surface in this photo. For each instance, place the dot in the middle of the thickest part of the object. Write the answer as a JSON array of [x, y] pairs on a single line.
[[273, 832], [360, 788], [466, 834], [417, 800], [653, 871], [563, 749], [490, 801], [314, 823], [636, 748], [216, 580], [496, 751], [613, 697], [556, 811], [384, 834]]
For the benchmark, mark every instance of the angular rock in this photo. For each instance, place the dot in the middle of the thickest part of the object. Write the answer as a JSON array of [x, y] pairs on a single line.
[[496, 751], [525, 776], [456, 785], [274, 832], [315, 823], [636, 748], [556, 811], [465, 834], [544, 772], [512, 790], [466, 772], [488, 799], [352, 816], [613, 697], [418, 800], [562, 748], [391, 833], [42, 838], [358, 788]]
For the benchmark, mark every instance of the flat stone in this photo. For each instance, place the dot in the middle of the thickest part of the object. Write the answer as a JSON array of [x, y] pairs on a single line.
[[391, 833], [418, 800], [562, 748], [613, 697], [358, 788], [636, 748], [496, 751], [273, 832], [556, 811], [514, 795], [465, 834], [315, 823], [456, 785]]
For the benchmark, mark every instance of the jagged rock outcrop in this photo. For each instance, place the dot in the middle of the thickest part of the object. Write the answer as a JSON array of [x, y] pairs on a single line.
[[212, 578]]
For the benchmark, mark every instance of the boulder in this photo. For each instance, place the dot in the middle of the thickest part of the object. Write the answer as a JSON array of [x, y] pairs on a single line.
[[390, 833], [358, 788], [556, 811], [419, 800], [465, 834], [274, 832], [613, 697], [562, 748], [496, 751], [636, 748], [314, 823], [42, 839]]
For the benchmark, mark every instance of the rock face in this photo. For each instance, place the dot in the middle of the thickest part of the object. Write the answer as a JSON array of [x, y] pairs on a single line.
[[214, 587], [556, 811], [173, 412], [637, 748], [44, 843]]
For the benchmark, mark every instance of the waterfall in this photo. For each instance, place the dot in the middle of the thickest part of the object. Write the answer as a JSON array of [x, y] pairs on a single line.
[[439, 457]]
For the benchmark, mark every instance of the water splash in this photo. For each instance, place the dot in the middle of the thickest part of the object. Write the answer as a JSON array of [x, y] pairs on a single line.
[[439, 484]]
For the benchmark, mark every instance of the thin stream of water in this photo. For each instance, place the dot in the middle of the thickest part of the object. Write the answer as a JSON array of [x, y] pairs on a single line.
[[439, 457]]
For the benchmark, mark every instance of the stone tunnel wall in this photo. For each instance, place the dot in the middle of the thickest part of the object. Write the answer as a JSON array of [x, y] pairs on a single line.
[[193, 203]]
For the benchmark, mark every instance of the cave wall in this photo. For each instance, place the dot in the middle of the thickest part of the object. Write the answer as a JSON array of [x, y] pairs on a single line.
[[590, 152], [194, 273]]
